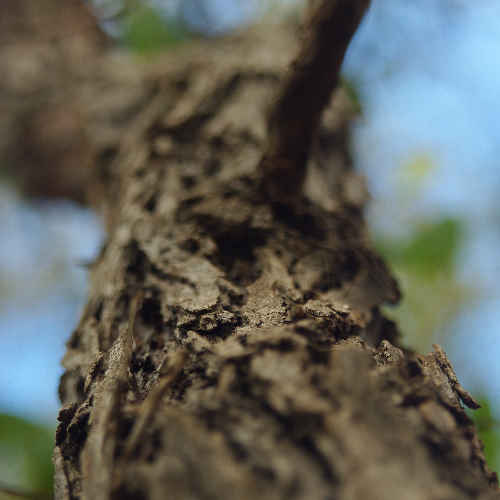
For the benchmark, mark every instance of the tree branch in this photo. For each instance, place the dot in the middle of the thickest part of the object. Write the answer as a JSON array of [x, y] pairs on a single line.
[[305, 92], [232, 349]]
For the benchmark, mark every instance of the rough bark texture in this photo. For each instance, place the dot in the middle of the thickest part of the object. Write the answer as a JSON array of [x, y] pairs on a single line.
[[232, 348]]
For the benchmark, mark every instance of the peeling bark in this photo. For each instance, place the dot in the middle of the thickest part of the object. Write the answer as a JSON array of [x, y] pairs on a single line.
[[232, 347]]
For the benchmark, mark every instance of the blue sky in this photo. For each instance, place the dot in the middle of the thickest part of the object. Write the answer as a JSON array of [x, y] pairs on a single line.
[[42, 289], [430, 83], [429, 77]]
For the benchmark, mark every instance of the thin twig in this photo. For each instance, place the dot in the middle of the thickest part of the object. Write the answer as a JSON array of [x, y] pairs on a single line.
[[305, 92]]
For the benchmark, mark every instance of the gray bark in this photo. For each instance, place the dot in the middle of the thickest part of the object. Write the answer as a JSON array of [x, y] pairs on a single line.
[[234, 348]]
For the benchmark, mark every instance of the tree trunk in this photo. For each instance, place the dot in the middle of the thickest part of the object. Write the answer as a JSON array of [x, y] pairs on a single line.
[[233, 347]]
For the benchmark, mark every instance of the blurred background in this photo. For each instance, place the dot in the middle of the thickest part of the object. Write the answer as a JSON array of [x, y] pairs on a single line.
[[425, 77]]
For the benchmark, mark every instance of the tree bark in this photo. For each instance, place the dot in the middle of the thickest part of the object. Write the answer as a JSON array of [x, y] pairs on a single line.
[[233, 347]]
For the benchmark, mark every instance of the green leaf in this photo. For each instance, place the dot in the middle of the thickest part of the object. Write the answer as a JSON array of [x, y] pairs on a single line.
[[415, 172], [432, 249], [483, 417], [489, 432], [352, 93], [424, 264], [26, 454], [146, 31]]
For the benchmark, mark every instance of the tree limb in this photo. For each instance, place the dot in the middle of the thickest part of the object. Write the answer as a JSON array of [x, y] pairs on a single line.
[[305, 92], [231, 349]]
